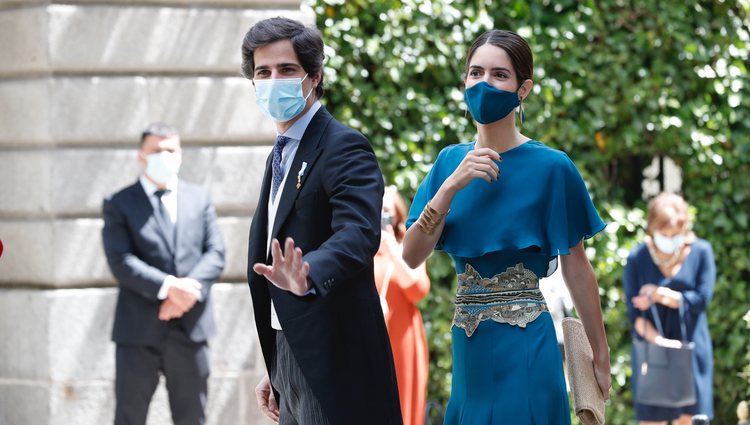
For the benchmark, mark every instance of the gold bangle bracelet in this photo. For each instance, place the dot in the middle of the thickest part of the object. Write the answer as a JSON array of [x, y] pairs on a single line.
[[430, 219]]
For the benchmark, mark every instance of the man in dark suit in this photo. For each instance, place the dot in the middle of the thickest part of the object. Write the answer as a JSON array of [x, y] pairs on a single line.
[[316, 309], [164, 247]]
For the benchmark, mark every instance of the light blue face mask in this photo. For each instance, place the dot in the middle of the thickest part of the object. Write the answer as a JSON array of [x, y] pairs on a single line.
[[668, 245], [281, 98]]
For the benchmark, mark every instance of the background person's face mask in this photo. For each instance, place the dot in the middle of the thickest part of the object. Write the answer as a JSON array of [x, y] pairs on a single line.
[[668, 245], [163, 166], [281, 98], [488, 104]]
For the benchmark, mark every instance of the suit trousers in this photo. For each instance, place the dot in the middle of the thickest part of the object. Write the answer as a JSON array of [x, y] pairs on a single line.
[[185, 366], [297, 405]]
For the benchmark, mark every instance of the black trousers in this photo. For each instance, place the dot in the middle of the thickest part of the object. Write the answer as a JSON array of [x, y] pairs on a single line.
[[185, 366], [297, 405]]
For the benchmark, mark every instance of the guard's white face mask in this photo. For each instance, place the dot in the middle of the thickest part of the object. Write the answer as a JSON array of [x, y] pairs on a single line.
[[163, 166]]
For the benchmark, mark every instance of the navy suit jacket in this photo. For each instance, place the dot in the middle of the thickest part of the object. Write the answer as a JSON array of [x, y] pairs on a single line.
[[141, 256], [338, 335]]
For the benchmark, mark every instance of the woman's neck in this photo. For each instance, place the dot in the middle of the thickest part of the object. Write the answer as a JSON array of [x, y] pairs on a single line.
[[500, 136]]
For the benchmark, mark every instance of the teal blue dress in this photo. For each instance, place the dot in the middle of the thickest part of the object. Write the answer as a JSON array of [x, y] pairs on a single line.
[[503, 236]]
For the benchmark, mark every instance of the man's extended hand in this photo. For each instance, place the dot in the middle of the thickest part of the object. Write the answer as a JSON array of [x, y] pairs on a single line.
[[288, 270]]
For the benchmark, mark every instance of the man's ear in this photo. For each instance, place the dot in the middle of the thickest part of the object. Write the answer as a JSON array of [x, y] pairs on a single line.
[[317, 78], [141, 158]]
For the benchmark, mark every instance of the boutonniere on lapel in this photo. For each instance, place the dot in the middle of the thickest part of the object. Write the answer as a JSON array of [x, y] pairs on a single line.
[[301, 173]]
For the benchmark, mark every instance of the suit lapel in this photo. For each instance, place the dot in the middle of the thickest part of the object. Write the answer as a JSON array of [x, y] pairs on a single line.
[[183, 205], [308, 151]]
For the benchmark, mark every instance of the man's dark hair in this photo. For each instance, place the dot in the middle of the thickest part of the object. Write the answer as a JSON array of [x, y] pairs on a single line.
[[158, 129], [307, 43]]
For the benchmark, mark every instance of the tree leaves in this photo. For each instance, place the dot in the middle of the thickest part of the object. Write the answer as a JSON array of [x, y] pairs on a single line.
[[617, 83]]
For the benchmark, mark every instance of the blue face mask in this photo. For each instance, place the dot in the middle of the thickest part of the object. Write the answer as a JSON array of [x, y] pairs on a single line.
[[281, 99], [488, 104]]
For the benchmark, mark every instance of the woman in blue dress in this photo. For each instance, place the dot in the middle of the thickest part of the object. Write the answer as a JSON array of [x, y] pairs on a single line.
[[673, 269], [504, 207]]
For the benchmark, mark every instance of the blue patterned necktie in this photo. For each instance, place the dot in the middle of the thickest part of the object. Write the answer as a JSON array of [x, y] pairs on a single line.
[[278, 176]]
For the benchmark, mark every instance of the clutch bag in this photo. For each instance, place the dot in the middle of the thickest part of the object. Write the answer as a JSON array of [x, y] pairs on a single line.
[[588, 401]]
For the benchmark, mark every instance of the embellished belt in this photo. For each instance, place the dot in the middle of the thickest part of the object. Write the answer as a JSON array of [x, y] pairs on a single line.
[[511, 297]]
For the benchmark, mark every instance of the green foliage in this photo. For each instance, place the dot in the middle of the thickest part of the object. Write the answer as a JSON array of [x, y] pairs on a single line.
[[617, 82]]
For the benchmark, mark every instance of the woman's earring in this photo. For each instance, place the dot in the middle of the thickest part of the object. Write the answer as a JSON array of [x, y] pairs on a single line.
[[520, 106]]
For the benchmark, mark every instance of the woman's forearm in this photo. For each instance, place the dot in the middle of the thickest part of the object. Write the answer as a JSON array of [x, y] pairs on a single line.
[[418, 245], [581, 282]]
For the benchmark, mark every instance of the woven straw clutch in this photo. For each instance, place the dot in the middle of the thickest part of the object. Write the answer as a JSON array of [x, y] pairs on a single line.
[[588, 402]]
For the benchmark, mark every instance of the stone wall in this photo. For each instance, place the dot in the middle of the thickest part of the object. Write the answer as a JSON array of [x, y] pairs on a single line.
[[78, 81]]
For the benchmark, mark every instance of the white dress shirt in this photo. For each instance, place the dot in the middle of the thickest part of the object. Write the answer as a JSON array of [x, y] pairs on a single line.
[[295, 132], [169, 201]]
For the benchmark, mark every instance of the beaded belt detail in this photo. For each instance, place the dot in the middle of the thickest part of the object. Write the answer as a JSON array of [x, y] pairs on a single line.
[[511, 297]]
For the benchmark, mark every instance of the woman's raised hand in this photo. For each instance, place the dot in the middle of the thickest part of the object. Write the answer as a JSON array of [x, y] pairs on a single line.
[[477, 164]]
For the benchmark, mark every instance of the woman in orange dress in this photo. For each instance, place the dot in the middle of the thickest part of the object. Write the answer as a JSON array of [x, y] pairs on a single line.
[[401, 288]]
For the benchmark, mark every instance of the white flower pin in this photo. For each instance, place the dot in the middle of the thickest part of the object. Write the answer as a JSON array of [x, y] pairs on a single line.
[[300, 174]]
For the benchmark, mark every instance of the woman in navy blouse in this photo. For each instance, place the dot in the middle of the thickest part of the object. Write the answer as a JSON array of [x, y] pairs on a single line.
[[672, 269]]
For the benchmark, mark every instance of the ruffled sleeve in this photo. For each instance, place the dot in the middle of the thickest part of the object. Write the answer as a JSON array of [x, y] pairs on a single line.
[[540, 204], [573, 216]]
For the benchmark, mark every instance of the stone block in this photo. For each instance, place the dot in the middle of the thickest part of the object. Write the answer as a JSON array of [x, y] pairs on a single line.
[[155, 39], [74, 181], [235, 347], [73, 327], [105, 171], [58, 335], [23, 403], [57, 361], [24, 112], [27, 255], [113, 110], [233, 175], [79, 328], [24, 329], [23, 40], [281, 5], [98, 109], [46, 182], [81, 402], [235, 231], [208, 109], [25, 182], [68, 253]]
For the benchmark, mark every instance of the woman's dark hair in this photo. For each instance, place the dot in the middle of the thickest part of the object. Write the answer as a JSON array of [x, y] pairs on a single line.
[[517, 48], [307, 43]]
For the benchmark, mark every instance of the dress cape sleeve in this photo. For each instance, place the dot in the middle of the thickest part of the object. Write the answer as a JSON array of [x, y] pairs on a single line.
[[545, 208], [573, 216]]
